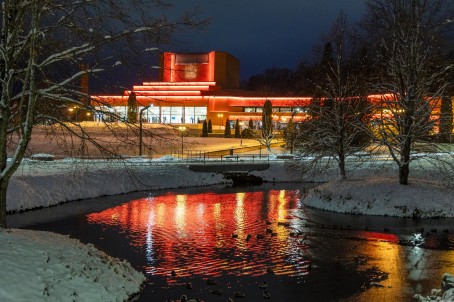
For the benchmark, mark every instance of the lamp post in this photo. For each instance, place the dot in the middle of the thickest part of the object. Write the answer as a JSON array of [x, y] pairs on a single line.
[[140, 128], [182, 129], [220, 115], [74, 112]]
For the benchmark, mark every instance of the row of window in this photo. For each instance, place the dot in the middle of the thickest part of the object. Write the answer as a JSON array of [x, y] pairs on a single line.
[[165, 115], [277, 109], [176, 115]]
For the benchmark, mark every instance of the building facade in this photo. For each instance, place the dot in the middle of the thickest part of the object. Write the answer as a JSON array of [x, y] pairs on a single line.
[[195, 87], [198, 86]]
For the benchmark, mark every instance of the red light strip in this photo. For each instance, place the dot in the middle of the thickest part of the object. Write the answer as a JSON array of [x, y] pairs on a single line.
[[171, 88], [178, 83], [165, 93]]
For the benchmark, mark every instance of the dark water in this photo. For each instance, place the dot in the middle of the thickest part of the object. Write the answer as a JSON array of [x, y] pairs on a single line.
[[240, 238]]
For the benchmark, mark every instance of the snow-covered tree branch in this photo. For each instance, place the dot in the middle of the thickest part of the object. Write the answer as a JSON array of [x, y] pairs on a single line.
[[339, 116], [411, 76], [43, 45]]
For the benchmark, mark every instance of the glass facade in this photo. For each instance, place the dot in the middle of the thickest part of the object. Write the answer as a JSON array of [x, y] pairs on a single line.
[[154, 114]]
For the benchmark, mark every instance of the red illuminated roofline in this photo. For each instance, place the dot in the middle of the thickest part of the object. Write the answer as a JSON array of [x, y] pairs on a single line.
[[171, 88], [295, 99], [165, 93], [179, 83]]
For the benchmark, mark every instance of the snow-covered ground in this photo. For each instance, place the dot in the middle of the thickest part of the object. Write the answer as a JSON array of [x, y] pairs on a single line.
[[44, 266], [61, 269], [445, 294], [372, 188], [383, 196], [47, 183]]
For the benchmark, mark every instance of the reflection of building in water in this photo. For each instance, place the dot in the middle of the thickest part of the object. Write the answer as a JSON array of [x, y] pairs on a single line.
[[194, 232]]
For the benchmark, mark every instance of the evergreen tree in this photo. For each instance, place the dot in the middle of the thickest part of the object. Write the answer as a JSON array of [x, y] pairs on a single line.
[[237, 129], [210, 126], [251, 124], [227, 132], [267, 124], [205, 129], [132, 108]]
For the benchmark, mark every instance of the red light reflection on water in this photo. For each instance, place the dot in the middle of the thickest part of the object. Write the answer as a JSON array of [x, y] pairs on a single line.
[[210, 234], [375, 236]]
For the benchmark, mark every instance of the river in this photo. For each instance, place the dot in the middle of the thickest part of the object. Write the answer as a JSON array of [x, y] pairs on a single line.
[[216, 243]]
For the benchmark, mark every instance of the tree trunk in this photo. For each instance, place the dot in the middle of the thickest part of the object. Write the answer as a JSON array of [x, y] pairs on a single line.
[[446, 119], [3, 188], [404, 168], [341, 164]]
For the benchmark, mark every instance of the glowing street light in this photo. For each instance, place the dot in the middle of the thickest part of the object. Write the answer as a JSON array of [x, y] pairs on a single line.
[[182, 129], [140, 127], [73, 113]]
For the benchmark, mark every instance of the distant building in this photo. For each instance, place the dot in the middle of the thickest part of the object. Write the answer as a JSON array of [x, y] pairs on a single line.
[[198, 86]]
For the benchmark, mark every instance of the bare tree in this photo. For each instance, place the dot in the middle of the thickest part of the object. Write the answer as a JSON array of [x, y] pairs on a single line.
[[339, 117], [410, 80], [42, 46], [290, 135], [446, 119]]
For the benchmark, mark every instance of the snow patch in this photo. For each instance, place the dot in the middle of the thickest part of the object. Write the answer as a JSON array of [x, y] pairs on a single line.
[[44, 266], [382, 196], [42, 184]]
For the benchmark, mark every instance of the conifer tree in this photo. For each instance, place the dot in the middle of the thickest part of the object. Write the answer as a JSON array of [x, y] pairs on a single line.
[[227, 132], [205, 129], [210, 126], [237, 129], [132, 108], [267, 125]]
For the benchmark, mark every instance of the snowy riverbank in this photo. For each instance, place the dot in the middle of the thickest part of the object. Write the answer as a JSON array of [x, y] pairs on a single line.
[[383, 196], [371, 187], [42, 184], [44, 266]]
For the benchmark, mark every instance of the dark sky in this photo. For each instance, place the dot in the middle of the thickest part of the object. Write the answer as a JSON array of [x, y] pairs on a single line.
[[263, 33]]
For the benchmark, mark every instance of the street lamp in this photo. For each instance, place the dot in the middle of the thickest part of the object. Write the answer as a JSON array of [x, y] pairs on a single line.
[[182, 129], [220, 115], [74, 112], [140, 127]]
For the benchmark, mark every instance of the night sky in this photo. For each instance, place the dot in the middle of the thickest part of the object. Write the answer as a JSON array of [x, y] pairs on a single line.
[[263, 33]]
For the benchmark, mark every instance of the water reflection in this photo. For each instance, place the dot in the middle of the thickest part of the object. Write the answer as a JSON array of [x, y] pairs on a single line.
[[213, 234], [235, 237]]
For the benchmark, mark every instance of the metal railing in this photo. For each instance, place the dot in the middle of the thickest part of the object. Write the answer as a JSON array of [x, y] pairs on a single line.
[[247, 157]]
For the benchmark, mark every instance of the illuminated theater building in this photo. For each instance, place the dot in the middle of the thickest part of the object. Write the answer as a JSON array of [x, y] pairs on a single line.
[[195, 87], [198, 86]]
